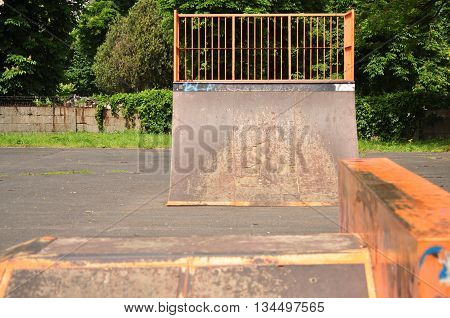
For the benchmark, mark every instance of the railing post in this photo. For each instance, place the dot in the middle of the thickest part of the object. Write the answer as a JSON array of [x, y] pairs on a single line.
[[349, 45], [233, 48], [176, 51]]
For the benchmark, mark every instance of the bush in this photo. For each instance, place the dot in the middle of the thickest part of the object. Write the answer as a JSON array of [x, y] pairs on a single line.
[[136, 54], [152, 107], [394, 116]]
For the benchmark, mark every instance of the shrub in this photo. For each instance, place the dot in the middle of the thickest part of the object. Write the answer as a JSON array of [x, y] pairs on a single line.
[[394, 116], [152, 107], [136, 54]]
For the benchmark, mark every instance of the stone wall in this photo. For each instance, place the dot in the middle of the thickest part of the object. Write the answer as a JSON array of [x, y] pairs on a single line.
[[57, 119]]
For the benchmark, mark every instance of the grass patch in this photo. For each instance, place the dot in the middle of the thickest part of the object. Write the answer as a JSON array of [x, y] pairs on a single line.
[[120, 171], [132, 139], [56, 173], [435, 145], [128, 139]]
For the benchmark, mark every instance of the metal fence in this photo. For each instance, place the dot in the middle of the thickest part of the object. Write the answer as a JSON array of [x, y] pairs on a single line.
[[263, 47]]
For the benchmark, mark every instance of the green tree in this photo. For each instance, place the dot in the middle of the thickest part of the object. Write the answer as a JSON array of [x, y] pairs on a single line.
[[34, 41], [88, 35], [93, 24], [401, 64], [403, 45], [243, 6], [136, 54]]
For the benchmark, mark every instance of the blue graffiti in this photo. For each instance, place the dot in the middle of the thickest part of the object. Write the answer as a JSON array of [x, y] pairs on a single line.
[[434, 251], [195, 87]]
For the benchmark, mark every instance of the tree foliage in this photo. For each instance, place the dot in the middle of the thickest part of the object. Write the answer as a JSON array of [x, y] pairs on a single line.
[[136, 54], [403, 45], [88, 35], [401, 52], [34, 40], [243, 6]]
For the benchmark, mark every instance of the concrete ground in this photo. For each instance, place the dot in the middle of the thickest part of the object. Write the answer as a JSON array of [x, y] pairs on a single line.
[[103, 192]]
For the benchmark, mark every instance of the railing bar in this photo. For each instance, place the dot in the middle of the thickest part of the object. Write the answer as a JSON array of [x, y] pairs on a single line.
[[310, 50], [176, 56], [268, 48], [289, 47], [198, 45], [297, 51], [222, 15], [225, 40], [281, 48], [218, 46], [212, 48], [261, 51], [241, 50], [304, 51], [331, 47], [206, 50], [274, 47], [248, 51], [192, 45], [233, 47], [278, 81], [254, 47], [324, 59], [185, 45], [337, 47], [317, 49]]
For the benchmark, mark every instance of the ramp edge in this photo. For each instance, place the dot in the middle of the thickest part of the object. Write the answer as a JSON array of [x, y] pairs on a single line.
[[249, 203]]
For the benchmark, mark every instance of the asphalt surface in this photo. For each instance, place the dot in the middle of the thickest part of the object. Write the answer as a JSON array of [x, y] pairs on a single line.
[[117, 193]]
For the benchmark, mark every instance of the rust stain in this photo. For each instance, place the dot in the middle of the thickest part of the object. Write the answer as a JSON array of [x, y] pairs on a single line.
[[30, 247]]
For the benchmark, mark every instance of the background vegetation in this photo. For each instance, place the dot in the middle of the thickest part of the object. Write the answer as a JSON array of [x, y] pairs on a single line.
[[152, 107], [124, 46]]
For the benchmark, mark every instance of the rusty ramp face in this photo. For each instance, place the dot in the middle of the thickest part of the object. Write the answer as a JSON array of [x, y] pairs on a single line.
[[325, 265], [260, 144]]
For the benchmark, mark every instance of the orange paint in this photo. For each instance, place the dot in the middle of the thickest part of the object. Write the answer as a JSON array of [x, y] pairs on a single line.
[[400, 216], [5, 276]]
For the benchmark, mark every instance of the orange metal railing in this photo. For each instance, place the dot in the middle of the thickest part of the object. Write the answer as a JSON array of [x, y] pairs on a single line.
[[263, 47]]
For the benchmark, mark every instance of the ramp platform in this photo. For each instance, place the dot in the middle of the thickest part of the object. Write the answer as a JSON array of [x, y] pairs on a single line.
[[325, 265]]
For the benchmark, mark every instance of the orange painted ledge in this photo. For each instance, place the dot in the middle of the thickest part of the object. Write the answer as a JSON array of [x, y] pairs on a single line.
[[405, 221]]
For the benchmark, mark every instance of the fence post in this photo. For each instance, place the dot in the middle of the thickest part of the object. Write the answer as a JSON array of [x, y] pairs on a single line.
[[349, 45], [176, 58]]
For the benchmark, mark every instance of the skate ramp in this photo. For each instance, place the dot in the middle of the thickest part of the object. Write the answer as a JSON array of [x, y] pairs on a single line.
[[260, 144]]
